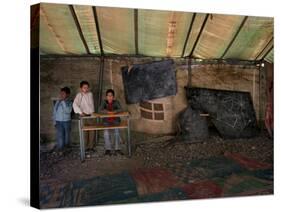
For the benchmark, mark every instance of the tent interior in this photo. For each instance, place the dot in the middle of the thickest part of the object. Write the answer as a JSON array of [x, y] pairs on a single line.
[[219, 54]]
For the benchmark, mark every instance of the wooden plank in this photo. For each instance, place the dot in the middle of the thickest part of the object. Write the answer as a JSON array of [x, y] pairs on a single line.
[[122, 125], [106, 115], [204, 114]]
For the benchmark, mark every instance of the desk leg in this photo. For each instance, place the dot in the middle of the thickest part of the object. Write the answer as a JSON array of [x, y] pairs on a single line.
[[82, 144], [129, 140], [96, 135]]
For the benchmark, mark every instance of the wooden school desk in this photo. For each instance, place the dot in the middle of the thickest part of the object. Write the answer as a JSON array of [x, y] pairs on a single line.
[[124, 124]]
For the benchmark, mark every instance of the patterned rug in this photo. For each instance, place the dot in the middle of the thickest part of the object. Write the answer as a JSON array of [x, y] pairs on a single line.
[[154, 180], [222, 176], [198, 170], [248, 163]]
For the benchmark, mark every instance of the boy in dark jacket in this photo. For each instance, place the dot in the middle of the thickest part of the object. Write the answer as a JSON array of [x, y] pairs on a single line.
[[110, 106]]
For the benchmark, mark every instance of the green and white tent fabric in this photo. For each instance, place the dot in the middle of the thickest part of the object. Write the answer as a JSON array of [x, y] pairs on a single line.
[[88, 30]]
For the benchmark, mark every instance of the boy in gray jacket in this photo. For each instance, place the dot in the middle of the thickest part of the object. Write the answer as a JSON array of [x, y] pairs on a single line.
[[62, 118]]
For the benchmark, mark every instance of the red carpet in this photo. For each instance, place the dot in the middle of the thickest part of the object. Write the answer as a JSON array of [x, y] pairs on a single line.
[[247, 163], [154, 180], [201, 190]]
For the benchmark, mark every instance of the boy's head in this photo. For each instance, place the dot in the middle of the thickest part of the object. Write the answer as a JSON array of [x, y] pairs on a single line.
[[110, 95], [64, 92], [84, 86]]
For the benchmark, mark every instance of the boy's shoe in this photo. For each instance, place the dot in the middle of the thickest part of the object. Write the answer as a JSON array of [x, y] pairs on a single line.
[[90, 150], [118, 152], [107, 152]]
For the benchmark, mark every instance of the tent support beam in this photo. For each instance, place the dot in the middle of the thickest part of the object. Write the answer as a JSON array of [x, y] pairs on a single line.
[[199, 35], [136, 30], [101, 80], [235, 36], [100, 87], [269, 50], [98, 29], [181, 60], [71, 8], [266, 46], [189, 70], [188, 34]]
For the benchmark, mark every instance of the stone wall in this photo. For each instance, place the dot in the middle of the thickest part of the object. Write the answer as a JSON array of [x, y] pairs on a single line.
[[69, 71], [56, 73]]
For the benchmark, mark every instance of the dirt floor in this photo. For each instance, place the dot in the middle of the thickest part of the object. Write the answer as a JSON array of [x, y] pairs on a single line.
[[157, 153]]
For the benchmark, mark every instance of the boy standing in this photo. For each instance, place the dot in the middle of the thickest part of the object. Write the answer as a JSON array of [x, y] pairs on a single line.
[[110, 106], [62, 118], [84, 105]]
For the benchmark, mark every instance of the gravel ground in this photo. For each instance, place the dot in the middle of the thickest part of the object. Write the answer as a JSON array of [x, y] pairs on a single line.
[[162, 154], [67, 166]]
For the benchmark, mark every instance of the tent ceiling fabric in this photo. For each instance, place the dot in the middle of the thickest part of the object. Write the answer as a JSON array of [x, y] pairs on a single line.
[[219, 29], [88, 25], [251, 40], [117, 30], [153, 29], [195, 29], [72, 30], [62, 27]]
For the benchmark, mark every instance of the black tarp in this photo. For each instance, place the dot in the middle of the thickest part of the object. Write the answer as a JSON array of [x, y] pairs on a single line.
[[232, 112], [149, 81], [193, 127]]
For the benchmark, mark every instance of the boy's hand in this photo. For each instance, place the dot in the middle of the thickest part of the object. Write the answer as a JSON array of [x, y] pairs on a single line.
[[83, 114]]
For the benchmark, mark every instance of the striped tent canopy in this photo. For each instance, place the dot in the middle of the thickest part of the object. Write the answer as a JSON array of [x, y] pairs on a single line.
[[89, 30]]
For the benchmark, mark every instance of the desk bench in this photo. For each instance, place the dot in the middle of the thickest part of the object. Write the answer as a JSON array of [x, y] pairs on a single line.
[[124, 124]]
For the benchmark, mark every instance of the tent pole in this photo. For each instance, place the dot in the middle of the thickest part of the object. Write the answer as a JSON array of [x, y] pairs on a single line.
[[98, 30], [188, 34], [136, 30], [235, 36], [189, 69], [101, 80], [267, 45], [199, 35], [79, 28], [267, 53]]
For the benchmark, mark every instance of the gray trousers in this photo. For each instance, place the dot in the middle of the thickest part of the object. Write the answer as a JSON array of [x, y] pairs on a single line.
[[107, 140]]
